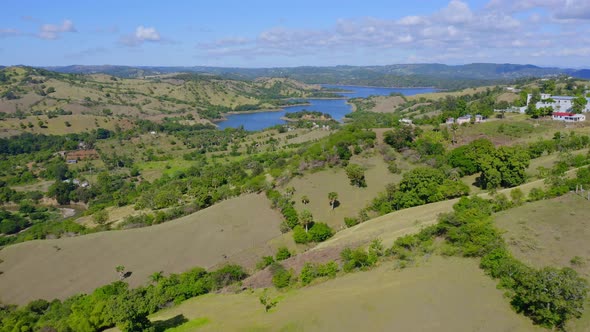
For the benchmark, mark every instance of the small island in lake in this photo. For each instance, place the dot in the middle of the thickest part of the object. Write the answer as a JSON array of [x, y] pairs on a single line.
[[307, 115]]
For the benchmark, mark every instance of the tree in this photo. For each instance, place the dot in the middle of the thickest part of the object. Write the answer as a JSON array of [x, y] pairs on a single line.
[[156, 277], [290, 191], [402, 137], [305, 219], [282, 254], [100, 217], [356, 175], [578, 104], [320, 232], [120, 269], [61, 191], [305, 200], [266, 301], [333, 197]]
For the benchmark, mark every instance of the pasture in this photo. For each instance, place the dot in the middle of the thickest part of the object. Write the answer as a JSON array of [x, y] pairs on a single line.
[[63, 267], [552, 232], [316, 187], [429, 297]]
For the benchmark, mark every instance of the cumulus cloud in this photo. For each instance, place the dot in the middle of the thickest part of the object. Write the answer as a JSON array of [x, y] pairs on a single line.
[[142, 34], [526, 28], [54, 31]]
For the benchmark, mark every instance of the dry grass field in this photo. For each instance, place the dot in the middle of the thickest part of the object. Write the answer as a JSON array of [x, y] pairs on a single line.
[[352, 199], [552, 232], [63, 267], [438, 295], [57, 126]]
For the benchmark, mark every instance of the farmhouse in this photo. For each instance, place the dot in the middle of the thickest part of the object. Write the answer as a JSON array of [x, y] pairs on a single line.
[[568, 117], [464, 119]]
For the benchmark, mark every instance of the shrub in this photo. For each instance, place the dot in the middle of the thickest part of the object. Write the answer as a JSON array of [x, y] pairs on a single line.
[[300, 235], [320, 232], [281, 278], [264, 262], [227, 275], [312, 271], [100, 217], [282, 254], [351, 221], [355, 259], [536, 194]]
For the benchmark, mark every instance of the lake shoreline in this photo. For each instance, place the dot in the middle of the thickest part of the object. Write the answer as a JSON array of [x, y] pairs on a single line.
[[384, 87], [337, 108]]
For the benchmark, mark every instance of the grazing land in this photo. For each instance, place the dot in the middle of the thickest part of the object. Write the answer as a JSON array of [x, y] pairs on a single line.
[[316, 187], [552, 233], [428, 297], [64, 267]]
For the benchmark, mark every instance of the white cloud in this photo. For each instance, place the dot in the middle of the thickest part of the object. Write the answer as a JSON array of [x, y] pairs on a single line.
[[454, 32], [411, 20], [142, 34], [150, 34], [457, 12], [53, 31]]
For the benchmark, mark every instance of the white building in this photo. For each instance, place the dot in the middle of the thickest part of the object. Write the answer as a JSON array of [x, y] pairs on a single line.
[[568, 117], [463, 119], [558, 103], [406, 121]]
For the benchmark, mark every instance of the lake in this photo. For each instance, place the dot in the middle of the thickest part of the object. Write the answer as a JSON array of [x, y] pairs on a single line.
[[337, 108]]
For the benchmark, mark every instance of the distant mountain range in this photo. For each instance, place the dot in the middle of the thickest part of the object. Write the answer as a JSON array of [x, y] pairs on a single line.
[[437, 75]]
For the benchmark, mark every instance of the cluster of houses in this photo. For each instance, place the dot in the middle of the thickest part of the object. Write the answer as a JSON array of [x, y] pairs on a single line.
[[478, 118], [561, 105]]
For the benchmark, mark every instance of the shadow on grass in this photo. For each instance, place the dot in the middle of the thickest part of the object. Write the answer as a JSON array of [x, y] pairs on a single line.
[[162, 325]]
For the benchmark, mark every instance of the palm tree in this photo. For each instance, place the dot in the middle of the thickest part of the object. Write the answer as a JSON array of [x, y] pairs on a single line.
[[305, 219], [305, 200], [121, 270], [333, 197]]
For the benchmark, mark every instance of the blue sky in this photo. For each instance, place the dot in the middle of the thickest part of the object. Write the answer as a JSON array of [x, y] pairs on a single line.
[[271, 33]]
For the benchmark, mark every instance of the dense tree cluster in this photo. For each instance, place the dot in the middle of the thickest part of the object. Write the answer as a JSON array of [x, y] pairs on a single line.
[[116, 304], [419, 186]]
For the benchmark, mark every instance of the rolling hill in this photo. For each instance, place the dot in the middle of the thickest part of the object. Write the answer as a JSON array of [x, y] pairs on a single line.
[[429, 74]]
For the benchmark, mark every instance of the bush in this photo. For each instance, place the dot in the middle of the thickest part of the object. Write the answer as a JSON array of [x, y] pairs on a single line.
[[264, 262], [320, 232], [281, 278], [300, 235], [355, 259], [351, 221], [227, 275], [312, 271], [282, 254], [100, 217]]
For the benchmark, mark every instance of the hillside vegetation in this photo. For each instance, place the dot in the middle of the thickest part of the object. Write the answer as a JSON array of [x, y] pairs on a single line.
[[29, 95]]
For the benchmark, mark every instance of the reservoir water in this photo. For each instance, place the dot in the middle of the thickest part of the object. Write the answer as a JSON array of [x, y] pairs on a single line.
[[337, 108]]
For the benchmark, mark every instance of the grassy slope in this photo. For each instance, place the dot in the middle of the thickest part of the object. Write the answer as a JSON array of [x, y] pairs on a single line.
[[430, 297], [37, 269], [146, 98], [551, 233], [317, 186]]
